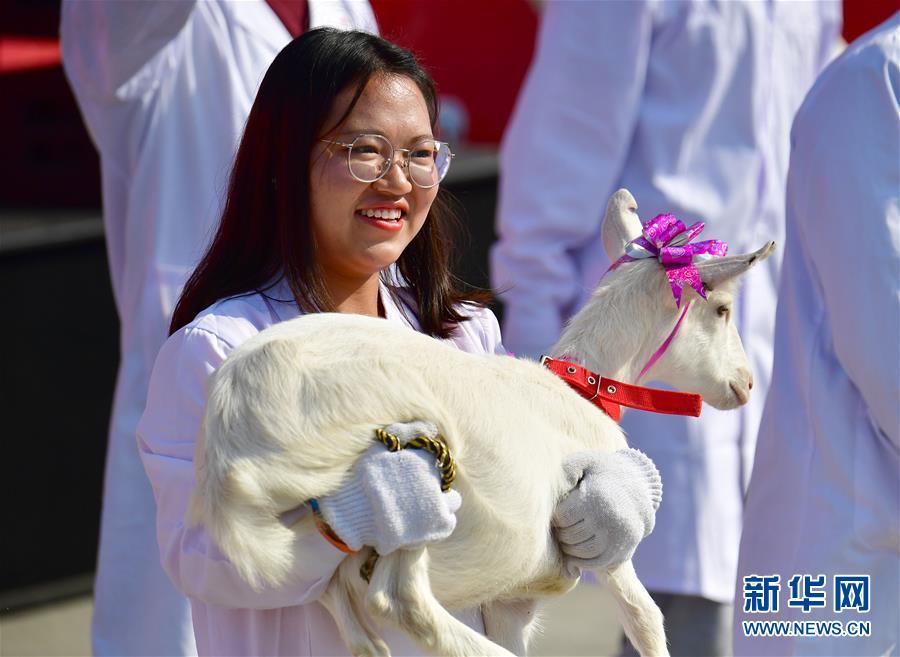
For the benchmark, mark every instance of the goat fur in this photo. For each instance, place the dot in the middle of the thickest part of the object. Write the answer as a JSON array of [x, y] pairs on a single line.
[[291, 410]]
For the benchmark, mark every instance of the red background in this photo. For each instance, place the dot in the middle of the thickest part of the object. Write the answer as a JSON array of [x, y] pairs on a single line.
[[477, 50]]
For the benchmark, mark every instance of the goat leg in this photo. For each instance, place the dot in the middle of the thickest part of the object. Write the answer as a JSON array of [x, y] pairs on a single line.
[[510, 623], [640, 617], [400, 591], [343, 599]]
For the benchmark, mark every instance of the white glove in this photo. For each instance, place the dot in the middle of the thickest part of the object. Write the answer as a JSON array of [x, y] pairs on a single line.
[[393, 500], [611, 507]]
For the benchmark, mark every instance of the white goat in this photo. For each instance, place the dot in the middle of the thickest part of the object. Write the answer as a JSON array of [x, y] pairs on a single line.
[[291, 410]]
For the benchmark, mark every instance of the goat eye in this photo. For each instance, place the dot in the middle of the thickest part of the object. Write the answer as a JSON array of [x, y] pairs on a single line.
[[724, 311]]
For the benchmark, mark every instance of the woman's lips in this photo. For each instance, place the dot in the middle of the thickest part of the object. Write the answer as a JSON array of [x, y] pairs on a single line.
[[388, 224]]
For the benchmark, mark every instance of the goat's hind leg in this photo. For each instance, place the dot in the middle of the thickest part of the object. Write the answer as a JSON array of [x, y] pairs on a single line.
[[511, 623], [344, 598], [640, 617], [400, 591]]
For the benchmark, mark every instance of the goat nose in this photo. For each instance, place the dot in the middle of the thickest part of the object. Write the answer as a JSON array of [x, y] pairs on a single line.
[[750, 383]]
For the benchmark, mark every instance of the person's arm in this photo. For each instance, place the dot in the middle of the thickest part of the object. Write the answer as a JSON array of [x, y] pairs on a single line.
[[488, 331], [166, 441], [844, 194], [106, 42], [562, 157]]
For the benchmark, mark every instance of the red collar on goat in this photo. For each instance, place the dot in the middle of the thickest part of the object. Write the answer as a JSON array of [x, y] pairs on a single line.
[[610, 395]]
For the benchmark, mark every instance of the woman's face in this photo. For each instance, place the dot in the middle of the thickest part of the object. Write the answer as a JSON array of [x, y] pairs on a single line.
[[349, 244]]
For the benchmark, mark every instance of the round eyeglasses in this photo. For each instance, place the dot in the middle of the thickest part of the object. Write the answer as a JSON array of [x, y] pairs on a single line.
[[370, 157]]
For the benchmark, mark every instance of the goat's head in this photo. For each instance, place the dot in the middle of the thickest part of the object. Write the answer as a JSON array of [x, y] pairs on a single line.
[[706, 355]]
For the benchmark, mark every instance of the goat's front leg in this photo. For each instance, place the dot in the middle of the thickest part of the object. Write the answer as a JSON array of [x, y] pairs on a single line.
[[640, 617], [511, 623]]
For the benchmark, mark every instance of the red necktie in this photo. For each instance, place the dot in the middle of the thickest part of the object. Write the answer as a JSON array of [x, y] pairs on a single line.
[[293, 13]]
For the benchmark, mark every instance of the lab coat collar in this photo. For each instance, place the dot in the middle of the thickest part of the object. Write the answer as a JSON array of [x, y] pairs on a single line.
[[259, 19], [396, 301]]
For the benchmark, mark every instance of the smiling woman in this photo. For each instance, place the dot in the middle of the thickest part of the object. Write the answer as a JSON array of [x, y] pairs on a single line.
[[297, 213], [333, 205]]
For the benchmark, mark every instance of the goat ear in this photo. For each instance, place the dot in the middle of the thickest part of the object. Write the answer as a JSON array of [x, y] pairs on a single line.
[[715, 271], [621, 223]]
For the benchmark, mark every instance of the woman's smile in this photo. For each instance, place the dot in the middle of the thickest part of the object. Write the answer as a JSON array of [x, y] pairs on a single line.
[[389, 217]]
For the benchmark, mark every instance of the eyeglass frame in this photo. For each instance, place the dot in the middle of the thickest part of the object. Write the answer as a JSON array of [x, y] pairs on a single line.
[[404, 164]]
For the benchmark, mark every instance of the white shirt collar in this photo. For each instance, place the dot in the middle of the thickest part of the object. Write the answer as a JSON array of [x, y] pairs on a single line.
[[280, 299]]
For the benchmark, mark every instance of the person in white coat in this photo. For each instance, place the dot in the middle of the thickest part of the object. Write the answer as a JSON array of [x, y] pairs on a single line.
[[823, 505], [165, 89], [688, 105], [334, 205]]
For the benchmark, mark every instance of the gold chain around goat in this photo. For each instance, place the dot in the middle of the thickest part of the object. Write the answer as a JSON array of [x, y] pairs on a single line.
[[435, 446]]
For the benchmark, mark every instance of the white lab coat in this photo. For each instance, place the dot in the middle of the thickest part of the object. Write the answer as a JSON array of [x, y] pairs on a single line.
[[230, 618], [688, 105], [824, 497], [165, 89]]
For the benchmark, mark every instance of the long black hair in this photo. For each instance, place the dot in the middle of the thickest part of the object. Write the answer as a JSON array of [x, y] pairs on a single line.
[[265, 228]]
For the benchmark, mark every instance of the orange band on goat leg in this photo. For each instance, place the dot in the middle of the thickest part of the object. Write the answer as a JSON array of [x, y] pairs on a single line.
[[325, 529]]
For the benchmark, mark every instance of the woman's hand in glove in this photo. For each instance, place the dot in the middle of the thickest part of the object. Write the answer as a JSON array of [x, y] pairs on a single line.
[[611, 506], [393, 500]]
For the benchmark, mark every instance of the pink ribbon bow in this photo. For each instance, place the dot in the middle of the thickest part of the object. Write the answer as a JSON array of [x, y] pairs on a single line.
[[666, 239]]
